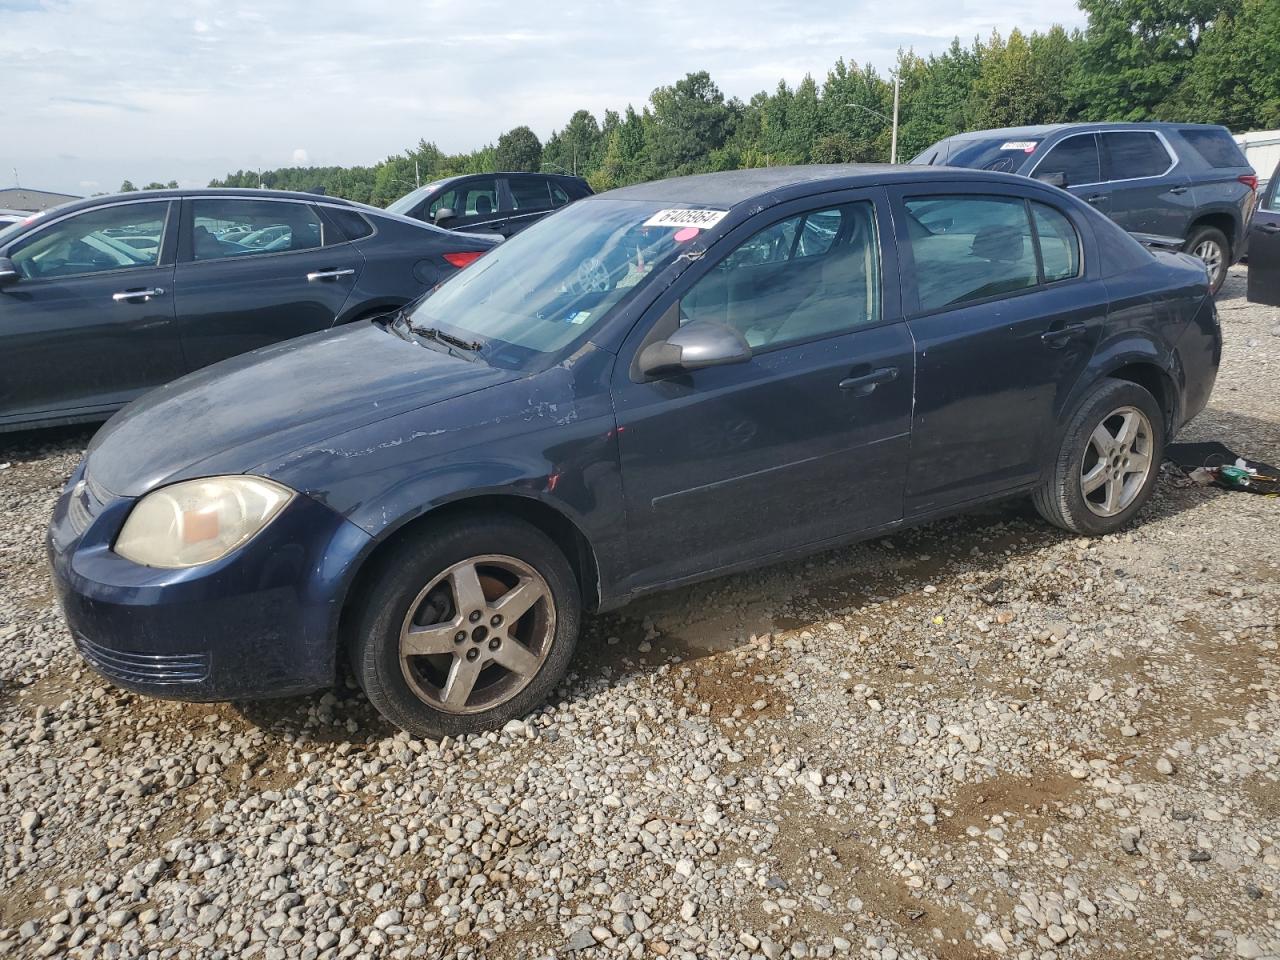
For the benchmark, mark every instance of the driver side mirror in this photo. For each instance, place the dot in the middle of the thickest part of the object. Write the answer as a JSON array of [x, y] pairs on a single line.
[[702, 343], [443, 214], [8, 272], [1058, 179]]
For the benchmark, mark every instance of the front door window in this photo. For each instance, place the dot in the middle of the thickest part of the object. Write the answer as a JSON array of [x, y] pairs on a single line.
[[109, 238]]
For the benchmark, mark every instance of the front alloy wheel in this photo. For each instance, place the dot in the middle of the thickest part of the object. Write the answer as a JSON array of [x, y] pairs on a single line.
[[464, 624], [477, 634]]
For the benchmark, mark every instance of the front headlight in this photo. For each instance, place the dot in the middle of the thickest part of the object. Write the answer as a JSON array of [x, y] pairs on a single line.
[[199, 521]]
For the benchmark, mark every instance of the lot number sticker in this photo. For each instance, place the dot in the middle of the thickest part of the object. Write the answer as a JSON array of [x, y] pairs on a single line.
[[675, 217]]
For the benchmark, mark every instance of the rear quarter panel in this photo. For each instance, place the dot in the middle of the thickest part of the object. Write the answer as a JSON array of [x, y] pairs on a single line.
[[1152, 307]]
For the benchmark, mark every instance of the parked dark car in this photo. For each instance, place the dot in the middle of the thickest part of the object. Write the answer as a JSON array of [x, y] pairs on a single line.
[[1264, 247], [501, 203], [92, 314], [1180, 186], [657, 385]]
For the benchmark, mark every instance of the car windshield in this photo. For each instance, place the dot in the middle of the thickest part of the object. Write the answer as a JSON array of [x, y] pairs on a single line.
[[412, 199], [1002, 154], [554, 282]]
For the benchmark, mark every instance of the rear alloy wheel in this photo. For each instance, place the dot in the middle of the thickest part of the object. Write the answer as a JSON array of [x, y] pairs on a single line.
[[1107, 463], [466, 627], [1210, 245]]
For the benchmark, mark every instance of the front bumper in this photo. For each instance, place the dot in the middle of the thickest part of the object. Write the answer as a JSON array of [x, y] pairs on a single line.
[[260, 622]]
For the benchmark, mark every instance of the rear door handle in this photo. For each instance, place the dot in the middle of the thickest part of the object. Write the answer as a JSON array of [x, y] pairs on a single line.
[[865, 384], [1179, 191], [1269, 227], [126, 296], [329, 274], [1060, 335], [1096, 198]]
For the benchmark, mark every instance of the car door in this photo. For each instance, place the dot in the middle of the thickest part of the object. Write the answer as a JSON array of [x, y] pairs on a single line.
[[805, 442], [1005, 318], [530, 198], [1075, 164], [89, 324], [1150, 193], [1264, 248], [289, 275]]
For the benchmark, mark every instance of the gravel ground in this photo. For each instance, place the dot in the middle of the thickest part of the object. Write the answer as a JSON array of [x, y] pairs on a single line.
[[980, 738]]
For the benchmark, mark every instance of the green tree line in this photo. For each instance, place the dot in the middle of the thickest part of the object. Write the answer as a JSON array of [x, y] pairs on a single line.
[[1210, 61]]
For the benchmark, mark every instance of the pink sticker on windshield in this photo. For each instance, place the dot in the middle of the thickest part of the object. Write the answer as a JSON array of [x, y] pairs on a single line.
[[688, 233]]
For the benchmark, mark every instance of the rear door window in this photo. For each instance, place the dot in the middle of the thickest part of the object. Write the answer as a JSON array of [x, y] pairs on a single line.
[[1132, 154], [229, 227], [529, 193], [969, 248], [1075, 158]]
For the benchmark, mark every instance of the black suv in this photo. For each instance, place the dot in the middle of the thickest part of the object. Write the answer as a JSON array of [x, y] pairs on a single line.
[[501, 203], [1182, 186]]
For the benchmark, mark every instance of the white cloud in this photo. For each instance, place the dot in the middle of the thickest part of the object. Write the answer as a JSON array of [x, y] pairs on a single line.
[[300, 157], [152, 90]]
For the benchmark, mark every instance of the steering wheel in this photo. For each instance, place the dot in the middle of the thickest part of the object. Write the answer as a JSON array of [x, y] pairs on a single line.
[[592, 277]]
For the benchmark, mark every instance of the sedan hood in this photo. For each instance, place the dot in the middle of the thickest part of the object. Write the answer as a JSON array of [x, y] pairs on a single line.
[[234, 415]]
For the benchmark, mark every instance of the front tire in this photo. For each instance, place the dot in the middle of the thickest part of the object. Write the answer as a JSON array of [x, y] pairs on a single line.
[[1107, 463], [465, 627], [1211, 245]]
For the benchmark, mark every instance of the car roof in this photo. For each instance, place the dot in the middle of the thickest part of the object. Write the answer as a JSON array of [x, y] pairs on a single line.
[[517, 174], [1040, 131], [733, 187], [251, 193]]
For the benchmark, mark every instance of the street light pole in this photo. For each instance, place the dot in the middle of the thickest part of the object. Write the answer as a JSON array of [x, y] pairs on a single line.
[[893, 147]]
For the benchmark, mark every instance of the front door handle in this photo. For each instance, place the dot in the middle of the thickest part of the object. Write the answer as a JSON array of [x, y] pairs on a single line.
[[1179, 191], [865, 384], [1269, 227], [1058, 336], [329, 274], [128, 296], [1096, 198]]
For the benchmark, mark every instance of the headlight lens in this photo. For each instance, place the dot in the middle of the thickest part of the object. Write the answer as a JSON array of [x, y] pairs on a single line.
[[199, 521]]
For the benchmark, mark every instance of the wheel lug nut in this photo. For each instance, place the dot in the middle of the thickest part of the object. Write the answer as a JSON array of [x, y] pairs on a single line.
[[460, 636], [475, 615], [497, 620], [472, 653], [495, 643]]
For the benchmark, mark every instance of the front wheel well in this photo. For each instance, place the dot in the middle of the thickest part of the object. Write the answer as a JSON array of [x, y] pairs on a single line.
[[563, 531], [1157, 383]]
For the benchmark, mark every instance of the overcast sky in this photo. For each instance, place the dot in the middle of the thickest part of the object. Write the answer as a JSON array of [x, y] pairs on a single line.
[[100, 90]]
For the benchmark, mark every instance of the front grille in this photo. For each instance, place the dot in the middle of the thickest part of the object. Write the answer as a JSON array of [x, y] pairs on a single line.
[[87, 499], [148, 668]]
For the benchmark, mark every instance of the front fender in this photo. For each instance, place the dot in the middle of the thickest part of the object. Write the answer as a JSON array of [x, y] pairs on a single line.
[[550, 437]]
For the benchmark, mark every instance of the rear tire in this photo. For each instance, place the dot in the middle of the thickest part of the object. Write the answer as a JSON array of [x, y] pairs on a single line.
[[1211, 245], [1107, 463], [465, 627]]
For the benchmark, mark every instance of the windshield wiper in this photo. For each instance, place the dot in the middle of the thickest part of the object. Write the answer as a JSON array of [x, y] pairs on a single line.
[[434, 333]]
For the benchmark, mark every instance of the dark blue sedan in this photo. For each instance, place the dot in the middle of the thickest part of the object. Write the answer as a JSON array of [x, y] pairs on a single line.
[[653, 386]]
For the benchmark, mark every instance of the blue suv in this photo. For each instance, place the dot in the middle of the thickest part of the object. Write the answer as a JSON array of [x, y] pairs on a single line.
[[1181, 186]]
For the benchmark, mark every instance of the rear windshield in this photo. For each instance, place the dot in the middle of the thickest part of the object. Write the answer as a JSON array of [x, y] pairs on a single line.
[[1003, 154], [1216, 146]]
